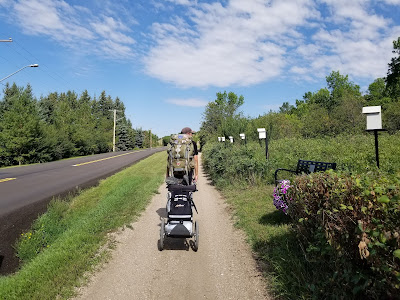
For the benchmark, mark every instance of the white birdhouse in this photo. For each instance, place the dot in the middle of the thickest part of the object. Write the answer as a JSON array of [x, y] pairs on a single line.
[[262, 134], [374, 117]]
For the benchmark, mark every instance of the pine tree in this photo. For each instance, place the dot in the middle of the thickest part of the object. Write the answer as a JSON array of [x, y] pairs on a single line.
[[139, 138], [20, 130], [124, 141]]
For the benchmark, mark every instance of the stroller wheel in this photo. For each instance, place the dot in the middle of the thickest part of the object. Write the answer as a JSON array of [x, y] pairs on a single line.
[[162, 235], [196, 236]]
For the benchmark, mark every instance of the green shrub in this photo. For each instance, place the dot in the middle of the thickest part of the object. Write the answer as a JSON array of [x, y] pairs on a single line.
[[353, 153], [332, 266], [231, 163], [351, 224]]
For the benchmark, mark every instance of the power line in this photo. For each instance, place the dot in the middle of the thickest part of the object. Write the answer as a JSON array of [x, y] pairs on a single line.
[[46, 69], [62, 78], [17, 48]]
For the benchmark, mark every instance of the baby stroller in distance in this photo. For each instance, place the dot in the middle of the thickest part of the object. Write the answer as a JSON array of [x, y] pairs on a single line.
[[179, 223]]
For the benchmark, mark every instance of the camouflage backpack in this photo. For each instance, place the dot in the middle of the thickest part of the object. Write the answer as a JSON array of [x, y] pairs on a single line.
[[180, 155]]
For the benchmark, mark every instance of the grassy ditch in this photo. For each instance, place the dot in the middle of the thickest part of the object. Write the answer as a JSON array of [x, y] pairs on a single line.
[[70, 238]]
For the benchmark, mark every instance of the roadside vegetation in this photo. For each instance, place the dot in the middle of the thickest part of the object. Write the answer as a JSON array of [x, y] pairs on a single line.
[[303, 268], [336, 234], [71, 238], [62, 125]]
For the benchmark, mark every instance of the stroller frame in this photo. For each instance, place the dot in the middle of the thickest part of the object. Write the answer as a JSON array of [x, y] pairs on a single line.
[[179, 223]]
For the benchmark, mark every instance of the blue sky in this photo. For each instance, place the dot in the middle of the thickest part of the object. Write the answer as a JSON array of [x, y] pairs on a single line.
[[167, 59]]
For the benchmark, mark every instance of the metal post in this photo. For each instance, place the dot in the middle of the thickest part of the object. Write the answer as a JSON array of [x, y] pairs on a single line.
[[266, 146], [376, 147]]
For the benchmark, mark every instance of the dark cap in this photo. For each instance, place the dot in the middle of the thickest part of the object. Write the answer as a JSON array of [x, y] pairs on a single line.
[[187, 130]]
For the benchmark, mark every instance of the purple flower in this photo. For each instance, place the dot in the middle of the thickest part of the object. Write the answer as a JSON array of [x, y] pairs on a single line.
[[280, 199]]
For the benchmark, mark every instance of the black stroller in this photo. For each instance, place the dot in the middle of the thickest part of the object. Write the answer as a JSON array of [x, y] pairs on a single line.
[[179, 223]]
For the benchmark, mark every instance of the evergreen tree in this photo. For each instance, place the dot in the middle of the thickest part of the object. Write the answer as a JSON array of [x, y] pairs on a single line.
[[139, 138], [124, 141], [393, 75], [20, 131]]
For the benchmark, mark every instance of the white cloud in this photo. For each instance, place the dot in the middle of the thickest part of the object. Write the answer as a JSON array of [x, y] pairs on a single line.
[[110, 28], [358, 42], [393, 2], [5, 2], [242, 43], [183, 2], [253, 41], [75, 27], [51, 18], [188, 102]]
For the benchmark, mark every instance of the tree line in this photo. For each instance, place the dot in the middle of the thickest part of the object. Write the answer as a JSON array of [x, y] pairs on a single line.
[[332, 110], [62, 125]]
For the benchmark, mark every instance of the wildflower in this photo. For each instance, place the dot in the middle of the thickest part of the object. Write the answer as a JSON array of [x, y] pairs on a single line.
[[280, 196]]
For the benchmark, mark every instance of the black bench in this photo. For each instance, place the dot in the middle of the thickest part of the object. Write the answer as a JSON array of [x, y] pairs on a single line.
[[307, 166]]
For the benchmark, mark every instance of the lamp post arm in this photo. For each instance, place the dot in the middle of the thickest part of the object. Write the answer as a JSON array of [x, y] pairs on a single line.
[[33, 66]]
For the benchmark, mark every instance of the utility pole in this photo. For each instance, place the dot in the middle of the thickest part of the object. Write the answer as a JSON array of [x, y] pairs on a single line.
[[150, 138], [115, 125]]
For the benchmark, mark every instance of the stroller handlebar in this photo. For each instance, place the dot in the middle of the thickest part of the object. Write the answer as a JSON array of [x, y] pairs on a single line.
[[181, 188]]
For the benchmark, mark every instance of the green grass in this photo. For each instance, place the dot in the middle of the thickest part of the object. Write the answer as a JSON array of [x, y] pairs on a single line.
[[71, 238], [242, 174], [269, 234]]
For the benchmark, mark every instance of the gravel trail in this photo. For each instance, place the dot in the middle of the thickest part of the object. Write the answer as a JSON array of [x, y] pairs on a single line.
[[222, 268]]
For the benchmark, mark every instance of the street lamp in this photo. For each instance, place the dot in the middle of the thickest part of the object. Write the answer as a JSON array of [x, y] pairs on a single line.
[[28, 66]]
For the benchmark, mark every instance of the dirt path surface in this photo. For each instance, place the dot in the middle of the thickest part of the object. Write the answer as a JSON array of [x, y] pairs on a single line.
[[222, 268]]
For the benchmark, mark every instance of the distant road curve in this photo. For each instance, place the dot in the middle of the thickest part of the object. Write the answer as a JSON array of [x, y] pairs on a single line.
[[25, 191]]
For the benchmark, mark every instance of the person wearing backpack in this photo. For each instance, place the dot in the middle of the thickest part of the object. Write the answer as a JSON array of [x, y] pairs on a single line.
[[183, 156]]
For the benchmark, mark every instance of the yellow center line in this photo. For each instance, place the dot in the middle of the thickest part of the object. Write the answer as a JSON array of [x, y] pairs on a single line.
[[7, 179], [94, 161]]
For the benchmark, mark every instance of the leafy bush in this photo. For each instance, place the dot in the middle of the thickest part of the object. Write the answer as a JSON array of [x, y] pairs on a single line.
[[332, 264], [352, 153], [231, 163], [351, 223]]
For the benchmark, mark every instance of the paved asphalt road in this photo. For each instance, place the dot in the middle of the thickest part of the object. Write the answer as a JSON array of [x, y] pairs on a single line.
[[25, 191]]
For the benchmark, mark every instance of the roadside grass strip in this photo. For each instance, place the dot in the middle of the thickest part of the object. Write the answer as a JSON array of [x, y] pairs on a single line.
[[71, 239]]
